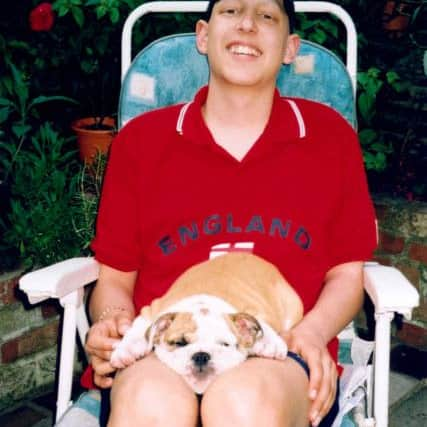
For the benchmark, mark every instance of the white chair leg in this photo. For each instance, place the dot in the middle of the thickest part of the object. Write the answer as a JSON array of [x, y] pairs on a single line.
[[68, 346], [382, 367], [82, 325], [369, 391]]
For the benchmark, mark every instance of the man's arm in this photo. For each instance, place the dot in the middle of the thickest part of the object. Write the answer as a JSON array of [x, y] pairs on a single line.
[[112, 311], [114, 288], [338, 303]]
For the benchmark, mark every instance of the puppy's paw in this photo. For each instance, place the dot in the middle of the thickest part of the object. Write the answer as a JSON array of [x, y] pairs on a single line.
[[128, 351], [270, 346], [133, 346], [281, 351]]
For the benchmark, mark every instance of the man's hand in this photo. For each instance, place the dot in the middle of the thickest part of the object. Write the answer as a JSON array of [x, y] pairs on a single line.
[[101, 340], [323, 373]]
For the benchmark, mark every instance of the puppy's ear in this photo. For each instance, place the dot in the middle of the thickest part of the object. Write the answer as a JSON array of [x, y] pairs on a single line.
[[245, 327], [154, 332]]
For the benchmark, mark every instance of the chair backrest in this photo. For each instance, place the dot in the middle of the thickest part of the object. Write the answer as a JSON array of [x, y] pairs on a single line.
[[171, 70]]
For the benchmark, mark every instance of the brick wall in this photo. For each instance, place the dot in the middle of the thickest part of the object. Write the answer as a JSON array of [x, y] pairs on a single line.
[[28, 335], [28, 344], [403, 243]]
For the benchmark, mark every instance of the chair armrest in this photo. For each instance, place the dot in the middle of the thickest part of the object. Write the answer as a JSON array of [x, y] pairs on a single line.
[[60, 279], [390, 290]]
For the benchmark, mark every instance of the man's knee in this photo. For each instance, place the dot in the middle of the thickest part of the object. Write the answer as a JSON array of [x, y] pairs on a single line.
[[148, 401], [250, 397], [242, 403]]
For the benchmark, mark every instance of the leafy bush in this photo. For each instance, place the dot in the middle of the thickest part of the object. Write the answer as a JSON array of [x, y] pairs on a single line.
[[376, 148], [43, 201], [18, 114]]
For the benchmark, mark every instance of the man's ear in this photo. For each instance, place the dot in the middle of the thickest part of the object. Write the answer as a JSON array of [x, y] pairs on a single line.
[[202, 36], [293, 44], [246, 328]]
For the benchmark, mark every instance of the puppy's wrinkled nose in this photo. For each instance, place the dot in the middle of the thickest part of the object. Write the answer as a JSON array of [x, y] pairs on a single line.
[[200, 358]]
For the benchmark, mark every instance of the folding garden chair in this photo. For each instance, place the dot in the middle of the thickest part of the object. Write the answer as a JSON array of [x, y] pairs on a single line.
[[317, 74]]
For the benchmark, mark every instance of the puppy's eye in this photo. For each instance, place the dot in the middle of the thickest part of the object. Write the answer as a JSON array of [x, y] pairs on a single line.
[[225, 344], [181, 343]]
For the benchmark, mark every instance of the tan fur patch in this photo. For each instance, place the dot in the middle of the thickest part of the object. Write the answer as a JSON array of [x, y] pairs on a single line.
[[246, 328], [183, 327]]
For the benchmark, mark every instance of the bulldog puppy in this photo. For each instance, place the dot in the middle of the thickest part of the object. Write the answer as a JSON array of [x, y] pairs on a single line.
[[213, 317]]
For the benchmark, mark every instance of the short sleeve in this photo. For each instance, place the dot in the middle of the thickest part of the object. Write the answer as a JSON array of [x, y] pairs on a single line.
[[117, 242], [353, 233]]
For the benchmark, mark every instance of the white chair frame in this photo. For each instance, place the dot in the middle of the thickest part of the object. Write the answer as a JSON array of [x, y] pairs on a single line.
[[389, 290]]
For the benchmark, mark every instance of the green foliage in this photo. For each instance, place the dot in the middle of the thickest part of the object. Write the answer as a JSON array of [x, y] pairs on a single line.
[[86, 200], [326, 31], [18, 111], [376, 148], [43, 201]]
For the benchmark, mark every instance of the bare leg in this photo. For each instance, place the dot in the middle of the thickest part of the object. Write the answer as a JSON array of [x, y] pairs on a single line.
[[148, 393], [259, 392]]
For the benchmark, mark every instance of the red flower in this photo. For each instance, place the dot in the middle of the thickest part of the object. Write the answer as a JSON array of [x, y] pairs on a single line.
[[42, 17]]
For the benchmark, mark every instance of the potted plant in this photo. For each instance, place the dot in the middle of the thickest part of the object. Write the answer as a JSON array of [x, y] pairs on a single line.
[[94, 135], [96, 129], [89, 55]]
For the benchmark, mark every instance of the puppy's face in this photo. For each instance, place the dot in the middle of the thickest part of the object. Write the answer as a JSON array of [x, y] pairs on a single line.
[[202, 344]]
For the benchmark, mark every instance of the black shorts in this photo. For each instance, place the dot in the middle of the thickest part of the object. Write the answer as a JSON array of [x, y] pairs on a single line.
[[326, 422], [333, 412]]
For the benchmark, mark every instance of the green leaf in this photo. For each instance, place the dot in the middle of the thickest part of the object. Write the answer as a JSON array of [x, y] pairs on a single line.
[[20, 129], [78, 16], [87, 66], [63, 10], [4, 114], [381, 147], [369, 160], [101, 11], [130, 3], [330, 27], [22, 248], [114, 15], [368, 136], [8, 84], [392, 77], [4, 102], [366, 104], [380, 161], [319, 36], [43, 99]]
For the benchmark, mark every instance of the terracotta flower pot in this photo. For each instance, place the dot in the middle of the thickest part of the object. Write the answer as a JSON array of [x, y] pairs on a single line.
[[91, 141]]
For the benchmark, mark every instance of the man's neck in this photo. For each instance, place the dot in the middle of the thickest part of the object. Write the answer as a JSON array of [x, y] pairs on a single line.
[[237, 116], [238, 106]]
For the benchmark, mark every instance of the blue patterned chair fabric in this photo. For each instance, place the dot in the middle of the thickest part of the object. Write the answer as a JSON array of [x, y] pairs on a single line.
[[171, 70]]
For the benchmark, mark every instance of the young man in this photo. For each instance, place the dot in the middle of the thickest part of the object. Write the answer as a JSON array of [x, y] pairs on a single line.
[[240, 163]]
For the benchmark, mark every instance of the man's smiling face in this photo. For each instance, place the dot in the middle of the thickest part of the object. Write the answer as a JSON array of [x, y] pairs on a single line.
[[245, 40]]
